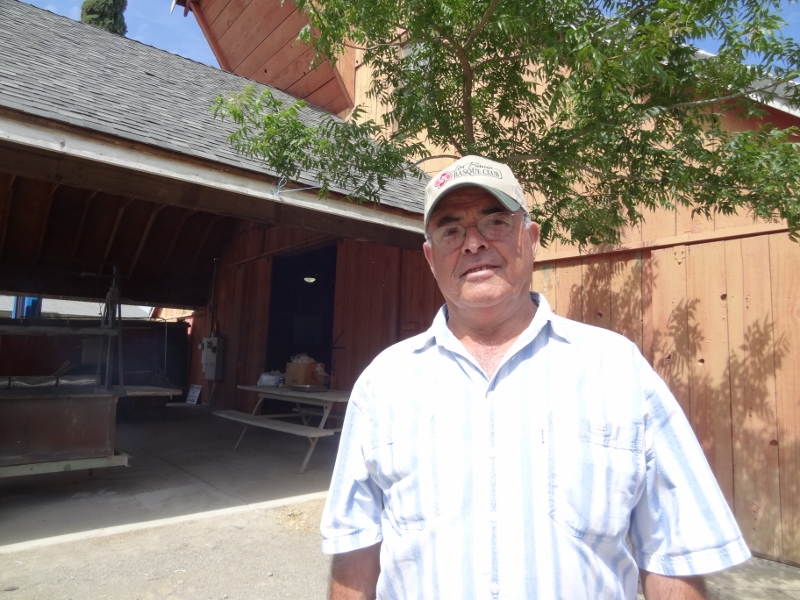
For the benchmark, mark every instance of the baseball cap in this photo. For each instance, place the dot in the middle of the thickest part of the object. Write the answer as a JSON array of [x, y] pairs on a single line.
[[494, 177]]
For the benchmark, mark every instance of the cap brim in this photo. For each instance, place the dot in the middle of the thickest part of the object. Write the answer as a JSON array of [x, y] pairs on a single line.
[[506, 200]]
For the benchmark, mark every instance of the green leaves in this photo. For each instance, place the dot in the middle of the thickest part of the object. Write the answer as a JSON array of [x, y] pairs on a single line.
[[352, 157], [604, 110]]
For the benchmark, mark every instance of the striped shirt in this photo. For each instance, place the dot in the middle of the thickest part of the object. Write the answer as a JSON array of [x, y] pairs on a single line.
[[555, 479]]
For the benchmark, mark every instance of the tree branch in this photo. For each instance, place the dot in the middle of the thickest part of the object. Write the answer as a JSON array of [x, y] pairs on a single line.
[[482, 24], [427, 158], [466, 90], [772, 86]]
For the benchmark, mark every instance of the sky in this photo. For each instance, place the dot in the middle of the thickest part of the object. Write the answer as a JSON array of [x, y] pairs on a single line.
[[150, 22]]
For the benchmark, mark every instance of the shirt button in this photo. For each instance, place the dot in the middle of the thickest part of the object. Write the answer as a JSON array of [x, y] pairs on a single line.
[[493, 517], [492, 453], [494, 588]]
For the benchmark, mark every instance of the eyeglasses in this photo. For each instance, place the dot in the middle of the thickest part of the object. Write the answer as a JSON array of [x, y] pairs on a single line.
[[492, 227]]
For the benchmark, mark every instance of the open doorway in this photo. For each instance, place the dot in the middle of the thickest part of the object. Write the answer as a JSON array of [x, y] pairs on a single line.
[[301, 307]]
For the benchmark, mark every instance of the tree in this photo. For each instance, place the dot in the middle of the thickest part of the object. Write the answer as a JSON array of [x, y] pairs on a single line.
[[105, 14], [604, 110]]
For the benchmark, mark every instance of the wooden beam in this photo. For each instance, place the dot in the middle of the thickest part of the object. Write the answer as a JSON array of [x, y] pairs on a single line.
[[46, 220], [183, 292], [174, 240], [668, 242], [79, 232], [6, 197], [302, 245], [201, 242], [112, 236], [145, 234]]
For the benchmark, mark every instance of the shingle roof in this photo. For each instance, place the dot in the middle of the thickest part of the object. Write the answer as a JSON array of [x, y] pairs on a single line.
[[67, 71]]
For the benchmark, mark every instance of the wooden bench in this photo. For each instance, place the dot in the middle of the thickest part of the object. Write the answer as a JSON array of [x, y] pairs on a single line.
[[270, 422]]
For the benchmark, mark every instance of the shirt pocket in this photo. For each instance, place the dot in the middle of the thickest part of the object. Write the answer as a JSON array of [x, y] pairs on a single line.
[[593, 471], [400, 469]]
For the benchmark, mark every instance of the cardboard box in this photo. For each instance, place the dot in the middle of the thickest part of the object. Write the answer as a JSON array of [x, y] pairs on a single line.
[[303, 374]]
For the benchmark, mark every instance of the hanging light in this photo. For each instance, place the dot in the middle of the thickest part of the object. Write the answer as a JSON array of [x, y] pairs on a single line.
[[309, 279]]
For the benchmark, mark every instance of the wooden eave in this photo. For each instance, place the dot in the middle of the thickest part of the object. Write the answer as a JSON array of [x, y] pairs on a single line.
[[74, 203], [257, 39]]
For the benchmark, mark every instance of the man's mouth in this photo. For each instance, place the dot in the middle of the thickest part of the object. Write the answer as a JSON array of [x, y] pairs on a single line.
[[479, 269]]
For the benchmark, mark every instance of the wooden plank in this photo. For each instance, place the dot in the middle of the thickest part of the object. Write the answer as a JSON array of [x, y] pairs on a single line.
[[412, 296], [340, 366], [367, 272], [297, 62], [345, 71], [325, 94], [544, 280], [626, 297], [752, 385], [670, 321], [647, 306], [596, 292], [311, 81], [257, 64], [258, 21], [211, 9], [143, 239], [709, 385], [46, 220], [569, 286], [226, 17], [658, 224], [267, 422], [174, 239], [6, 197], [784, 267], [112, 234]]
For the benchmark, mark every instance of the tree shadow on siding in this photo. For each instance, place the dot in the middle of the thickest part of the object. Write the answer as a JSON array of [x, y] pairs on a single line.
[[732, 408]]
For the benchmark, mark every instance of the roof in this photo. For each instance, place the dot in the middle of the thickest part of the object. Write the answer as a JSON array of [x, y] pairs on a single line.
[[69, 72]]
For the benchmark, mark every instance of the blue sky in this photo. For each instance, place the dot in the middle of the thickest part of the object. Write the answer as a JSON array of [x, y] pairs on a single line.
[[150, 22]]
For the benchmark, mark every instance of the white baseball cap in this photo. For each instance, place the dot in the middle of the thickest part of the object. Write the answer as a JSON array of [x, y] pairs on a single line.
[[494, 177]]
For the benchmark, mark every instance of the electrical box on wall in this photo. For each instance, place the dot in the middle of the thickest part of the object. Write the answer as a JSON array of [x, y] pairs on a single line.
[[212, 350]]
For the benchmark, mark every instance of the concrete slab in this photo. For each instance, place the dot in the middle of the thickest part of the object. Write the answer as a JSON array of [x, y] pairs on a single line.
[[182, 462]]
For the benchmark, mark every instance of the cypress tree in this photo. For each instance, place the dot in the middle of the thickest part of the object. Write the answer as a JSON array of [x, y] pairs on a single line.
[[105, 14]]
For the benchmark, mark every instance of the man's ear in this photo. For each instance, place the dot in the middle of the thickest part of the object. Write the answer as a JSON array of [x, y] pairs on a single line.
[[427, 251], [533, 231]]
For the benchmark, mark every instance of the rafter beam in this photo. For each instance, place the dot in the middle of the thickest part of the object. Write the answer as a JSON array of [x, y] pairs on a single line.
[[113, 235], [47, 209], [202, 241], [174, 241], [81, 224], [145, 234]]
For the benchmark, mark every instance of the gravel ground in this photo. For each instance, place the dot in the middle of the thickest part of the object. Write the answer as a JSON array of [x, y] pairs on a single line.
[[259, 554]]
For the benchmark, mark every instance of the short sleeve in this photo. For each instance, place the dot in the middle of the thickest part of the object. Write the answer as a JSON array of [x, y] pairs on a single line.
[[352, 516], [682, 524]]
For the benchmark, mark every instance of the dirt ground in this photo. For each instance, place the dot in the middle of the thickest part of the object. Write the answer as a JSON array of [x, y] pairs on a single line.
[[258, 554]]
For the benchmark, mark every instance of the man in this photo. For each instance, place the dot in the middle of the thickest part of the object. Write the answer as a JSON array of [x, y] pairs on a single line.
[[511, 453]]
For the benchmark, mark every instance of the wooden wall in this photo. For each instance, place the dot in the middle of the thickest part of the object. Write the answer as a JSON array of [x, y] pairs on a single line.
[[720, 322], [383, 294]]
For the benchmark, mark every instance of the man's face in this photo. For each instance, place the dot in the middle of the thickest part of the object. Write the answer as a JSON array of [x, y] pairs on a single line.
[[480, 273]]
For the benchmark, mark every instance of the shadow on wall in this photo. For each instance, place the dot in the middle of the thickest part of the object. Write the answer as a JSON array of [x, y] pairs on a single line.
[[720, 356]]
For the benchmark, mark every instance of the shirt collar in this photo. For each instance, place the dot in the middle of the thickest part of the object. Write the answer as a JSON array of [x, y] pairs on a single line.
[[440, 334]]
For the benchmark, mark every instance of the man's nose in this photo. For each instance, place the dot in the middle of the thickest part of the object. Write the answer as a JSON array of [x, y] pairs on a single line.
[[473, 239]]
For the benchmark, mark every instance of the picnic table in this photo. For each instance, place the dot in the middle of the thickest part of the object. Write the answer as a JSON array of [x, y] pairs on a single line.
[[314, 403]]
